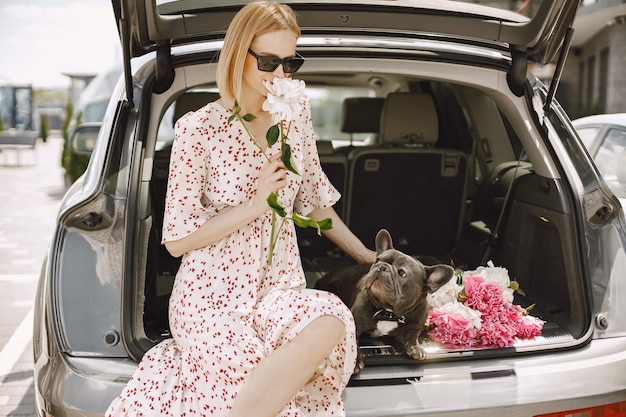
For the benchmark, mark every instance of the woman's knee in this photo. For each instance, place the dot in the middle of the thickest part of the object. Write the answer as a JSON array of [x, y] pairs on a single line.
[[325, 332]]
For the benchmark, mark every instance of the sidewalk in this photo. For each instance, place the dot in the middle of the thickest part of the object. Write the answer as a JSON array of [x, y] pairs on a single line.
[[30, 194]]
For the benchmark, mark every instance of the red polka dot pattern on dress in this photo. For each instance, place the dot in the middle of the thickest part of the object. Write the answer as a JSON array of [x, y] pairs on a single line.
[[228, 308]]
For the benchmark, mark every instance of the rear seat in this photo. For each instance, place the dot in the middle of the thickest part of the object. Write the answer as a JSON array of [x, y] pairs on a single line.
[[406, 185]]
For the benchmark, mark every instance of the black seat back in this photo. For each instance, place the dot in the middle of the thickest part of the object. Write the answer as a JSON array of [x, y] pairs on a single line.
[[407, 186]]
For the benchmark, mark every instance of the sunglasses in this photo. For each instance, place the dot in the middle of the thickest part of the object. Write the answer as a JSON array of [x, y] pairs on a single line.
[[268, 63]]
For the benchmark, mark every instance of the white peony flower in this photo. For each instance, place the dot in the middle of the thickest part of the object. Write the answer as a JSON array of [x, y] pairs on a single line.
[[285, 98], [445, 294]]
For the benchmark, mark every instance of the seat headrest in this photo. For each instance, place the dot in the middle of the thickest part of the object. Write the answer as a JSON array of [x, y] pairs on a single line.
[[325, 147], [361, 114], [409, 118], [192, 101]]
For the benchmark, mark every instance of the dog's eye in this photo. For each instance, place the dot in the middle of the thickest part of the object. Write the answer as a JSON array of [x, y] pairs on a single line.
[[402, 273]]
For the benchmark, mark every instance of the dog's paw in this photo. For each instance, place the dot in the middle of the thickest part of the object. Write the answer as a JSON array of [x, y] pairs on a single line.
[[359, 365], [416, 352]]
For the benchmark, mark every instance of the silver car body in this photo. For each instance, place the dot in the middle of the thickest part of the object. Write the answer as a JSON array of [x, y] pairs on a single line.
[[89, 331]]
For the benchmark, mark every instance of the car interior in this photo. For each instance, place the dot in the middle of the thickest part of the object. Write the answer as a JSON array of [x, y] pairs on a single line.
[[438, 164]]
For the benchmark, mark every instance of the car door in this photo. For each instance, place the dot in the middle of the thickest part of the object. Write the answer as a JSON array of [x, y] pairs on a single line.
[[158, 25]]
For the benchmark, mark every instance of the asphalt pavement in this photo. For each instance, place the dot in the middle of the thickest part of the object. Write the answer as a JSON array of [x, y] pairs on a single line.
[[31, 188]]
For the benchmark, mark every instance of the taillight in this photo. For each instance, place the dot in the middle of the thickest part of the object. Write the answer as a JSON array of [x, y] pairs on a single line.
[[609, 410]]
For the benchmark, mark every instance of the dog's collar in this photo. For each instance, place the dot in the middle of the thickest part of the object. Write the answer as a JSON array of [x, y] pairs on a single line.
[[386, 315]]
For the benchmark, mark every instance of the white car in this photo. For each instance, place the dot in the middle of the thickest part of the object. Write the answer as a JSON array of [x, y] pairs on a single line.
[[432, 126], [604, 135]]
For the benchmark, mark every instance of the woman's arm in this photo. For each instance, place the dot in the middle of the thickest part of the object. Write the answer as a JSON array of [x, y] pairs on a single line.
[[272, 178], [343, 237]]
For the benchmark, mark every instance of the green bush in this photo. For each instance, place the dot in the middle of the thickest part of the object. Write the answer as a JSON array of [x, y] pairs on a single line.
[[44, 127], [73, 164]]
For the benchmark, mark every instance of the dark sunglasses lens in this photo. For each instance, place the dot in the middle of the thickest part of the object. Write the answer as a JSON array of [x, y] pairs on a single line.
[[292, 65], [268, 63]]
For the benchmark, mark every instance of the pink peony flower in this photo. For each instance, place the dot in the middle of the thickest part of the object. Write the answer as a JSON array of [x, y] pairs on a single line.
[[498, 328], [452, 330], [529, 327], [482, 314], [482, 296], [499, 275]]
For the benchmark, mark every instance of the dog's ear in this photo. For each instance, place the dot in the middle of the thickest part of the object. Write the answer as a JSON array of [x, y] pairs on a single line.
[[437, 276], [383, 241]]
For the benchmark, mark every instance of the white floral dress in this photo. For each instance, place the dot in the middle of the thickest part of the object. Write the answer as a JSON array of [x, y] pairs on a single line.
[[228, 307]]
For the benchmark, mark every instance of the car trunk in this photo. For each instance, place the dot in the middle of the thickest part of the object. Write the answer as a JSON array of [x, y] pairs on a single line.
[[512, 216]]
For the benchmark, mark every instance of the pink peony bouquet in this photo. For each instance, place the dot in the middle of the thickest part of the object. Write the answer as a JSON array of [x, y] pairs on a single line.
[[479, 312]]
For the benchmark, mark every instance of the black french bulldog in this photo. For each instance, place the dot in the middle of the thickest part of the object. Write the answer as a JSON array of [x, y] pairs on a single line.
[[393, 289]]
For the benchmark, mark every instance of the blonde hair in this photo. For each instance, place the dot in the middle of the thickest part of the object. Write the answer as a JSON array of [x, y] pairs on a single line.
[[251, 21]]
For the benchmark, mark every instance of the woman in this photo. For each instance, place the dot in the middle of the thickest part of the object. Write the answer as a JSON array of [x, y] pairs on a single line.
[[248, 338]]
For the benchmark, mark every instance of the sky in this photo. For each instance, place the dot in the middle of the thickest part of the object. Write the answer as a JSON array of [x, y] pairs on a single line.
[[42, 39]]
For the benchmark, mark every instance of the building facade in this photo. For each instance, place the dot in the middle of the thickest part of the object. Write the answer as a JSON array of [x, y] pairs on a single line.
[[594, 76]]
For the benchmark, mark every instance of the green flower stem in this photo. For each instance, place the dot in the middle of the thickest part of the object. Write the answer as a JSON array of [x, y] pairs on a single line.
[[272, 243], [272, 200], [274, 236]]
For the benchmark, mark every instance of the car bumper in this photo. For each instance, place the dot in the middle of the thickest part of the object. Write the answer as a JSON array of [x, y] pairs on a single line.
[[527, 386], [589, 376]]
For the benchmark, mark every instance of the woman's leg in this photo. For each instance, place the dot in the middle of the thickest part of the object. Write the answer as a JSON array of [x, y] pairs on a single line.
[[279, 376]]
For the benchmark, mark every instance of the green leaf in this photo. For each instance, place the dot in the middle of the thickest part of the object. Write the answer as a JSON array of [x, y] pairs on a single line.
[[325, 224], [249, 117], [286, 158], [530, 307], [272, 135], [304, 222], [272, 200], [232, 116], [236, 108]]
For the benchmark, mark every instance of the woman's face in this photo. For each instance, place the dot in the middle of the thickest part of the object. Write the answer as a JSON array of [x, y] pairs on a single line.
[[281, 44]]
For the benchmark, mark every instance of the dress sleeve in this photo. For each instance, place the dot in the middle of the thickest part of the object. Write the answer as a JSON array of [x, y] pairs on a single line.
[[186, 207], [316, 191]]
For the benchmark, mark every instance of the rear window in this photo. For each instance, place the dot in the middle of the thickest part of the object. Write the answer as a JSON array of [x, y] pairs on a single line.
[[326, 111]]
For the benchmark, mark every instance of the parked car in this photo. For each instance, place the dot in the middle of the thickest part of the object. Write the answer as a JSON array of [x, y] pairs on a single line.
[[91, 106], [604, 135], [435, 130]]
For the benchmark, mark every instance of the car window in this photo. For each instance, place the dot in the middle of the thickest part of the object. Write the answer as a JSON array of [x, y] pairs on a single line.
[[326, 111], [611, 160], [94, 112], [588, 134]]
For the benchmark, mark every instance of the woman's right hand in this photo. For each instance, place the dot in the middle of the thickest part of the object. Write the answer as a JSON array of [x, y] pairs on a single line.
[[272, 177]]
